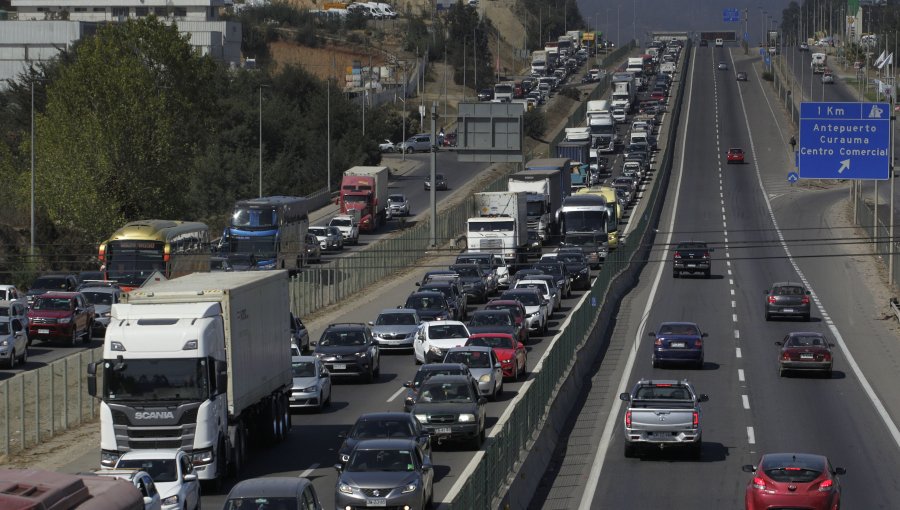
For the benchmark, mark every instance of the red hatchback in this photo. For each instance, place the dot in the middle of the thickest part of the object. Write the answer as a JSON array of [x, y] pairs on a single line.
[[735, 155], [512, 354], [793, 480]]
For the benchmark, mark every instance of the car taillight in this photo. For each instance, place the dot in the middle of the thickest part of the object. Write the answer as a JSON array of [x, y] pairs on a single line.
[[785, 356], [805, 300], [826, 356], [696, 420], [698, 343], [628, 419], [826, 486], [677, 255], [759, 483], [771, 300], [706, 255]]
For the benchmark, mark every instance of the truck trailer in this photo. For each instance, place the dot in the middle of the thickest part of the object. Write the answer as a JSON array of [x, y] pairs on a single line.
[[365, 188], [201, 363], [544, 196]]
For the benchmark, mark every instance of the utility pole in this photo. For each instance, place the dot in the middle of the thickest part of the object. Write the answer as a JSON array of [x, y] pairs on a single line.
[[475, 56], [31, 251], [260, 141], [433, 190]]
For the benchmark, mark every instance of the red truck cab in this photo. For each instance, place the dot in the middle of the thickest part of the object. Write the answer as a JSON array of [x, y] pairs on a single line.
[[65, 316], [356, 194]]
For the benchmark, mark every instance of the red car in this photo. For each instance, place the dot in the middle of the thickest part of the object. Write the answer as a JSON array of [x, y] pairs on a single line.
[[793, 480], [512, 355], [65, 316], [805, 351], [735, 155], [658, 95], [518, 311]]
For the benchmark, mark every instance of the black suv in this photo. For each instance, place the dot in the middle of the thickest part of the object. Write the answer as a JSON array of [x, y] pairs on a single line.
[[430, 305], [691, 258], [450, 408], [52, 282], [426, 371], [454, 294], [349, 349], [473, 281]]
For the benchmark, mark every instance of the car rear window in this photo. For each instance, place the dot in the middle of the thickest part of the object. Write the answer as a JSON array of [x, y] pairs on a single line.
[[668, 392], [789, 291], [794, 474]]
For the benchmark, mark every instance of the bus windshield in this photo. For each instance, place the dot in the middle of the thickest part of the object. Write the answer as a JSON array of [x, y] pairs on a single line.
[[585, 221], [254, 217], [132, 262], [261, 246]]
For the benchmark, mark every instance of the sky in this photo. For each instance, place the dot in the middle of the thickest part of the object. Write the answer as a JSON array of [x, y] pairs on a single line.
[[620, 20]]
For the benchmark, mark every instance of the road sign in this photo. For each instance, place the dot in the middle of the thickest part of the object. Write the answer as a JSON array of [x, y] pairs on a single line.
[[746, 36], [768, 59], [844, 141], [793, 177], [731, 15]]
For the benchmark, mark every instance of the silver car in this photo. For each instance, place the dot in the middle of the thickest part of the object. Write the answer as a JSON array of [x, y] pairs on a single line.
[[395, 328], [329, 238], [398, 204], [483, 365], [13, 342], [416, 143], [393, 473], [312, 383], [102, 298]]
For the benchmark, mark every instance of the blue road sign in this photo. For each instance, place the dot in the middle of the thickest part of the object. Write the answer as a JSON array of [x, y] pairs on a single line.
[[746, 36], [762, 52], [730, 15], [844, 141], [767, 59], [793, 177]]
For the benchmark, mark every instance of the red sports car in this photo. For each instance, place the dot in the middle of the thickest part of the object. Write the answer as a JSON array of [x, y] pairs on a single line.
[[518, 311], [512, 355], [793, 480], [735, 155], [805, 351]]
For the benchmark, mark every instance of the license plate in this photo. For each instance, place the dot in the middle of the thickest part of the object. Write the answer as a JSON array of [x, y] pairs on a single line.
[[806, 356], [442, 430], [787, 310], [677, 345], [339, 366], [43, 331], [376, 502]]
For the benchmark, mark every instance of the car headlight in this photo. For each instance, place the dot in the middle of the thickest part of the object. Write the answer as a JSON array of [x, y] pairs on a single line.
[[309, 389], [171, 500], [362, 355], [423, 418], [466, 418], [346, 489], [435, 349], [4, 342], [104, 314], [485, 378], [202, 457], [64, 320], [411, 487], [506, 361]]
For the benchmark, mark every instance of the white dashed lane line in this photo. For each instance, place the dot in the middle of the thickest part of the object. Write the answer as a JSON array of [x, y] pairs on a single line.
[[741, 374], [397, 394], [737, 352], [751, 436], [309, 471], [737, 335], [746, 401]]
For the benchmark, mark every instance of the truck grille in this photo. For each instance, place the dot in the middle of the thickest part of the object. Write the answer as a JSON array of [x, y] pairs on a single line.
[[533, 224], [172, 444], [43, 320], [491, 244]]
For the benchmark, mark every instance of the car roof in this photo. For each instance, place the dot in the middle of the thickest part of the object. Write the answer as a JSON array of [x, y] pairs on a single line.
[[55, 294], [678, 323], [398, 310], [504, 302], [794, 459], [806, 333], [426, 293], [442, 378], [346, 326], [438, 323], [787, 284], [490, 312], [101, 289], [469, 348], [273, 487], [488, 335], [433, 367]]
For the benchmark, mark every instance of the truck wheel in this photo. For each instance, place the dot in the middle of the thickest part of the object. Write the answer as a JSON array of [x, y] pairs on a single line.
[[25, 356], [237, 459], [630, 450]]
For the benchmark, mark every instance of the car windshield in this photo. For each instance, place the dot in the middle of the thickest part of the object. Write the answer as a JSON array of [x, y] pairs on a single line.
[[466, 271], [342, 338], [496, 342], [317, 231], [396, 319], [161, 470], [471, 359], [527, 299], [303, 369], [421, 375], [382, 429], [668, 392], [792, 474], [443, 331], [489, 319], [789, 291], [424, 303], [396, 198], [571, 258], [678, 329], [342, 222], [261, 503], [381, 460], [446, 392], [45, 282], [99, 298], [805, 341], [58, 304], [469, 259]]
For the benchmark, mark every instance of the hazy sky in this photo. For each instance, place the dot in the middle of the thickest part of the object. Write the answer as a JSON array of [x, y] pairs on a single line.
[[621, 20]]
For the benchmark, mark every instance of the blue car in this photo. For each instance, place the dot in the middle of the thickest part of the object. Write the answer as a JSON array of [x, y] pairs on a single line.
[[678, 342]]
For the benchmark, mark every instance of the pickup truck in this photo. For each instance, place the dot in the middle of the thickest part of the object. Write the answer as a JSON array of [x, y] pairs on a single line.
[[692, 257], [663, 414], [348, 224], [65, 316]]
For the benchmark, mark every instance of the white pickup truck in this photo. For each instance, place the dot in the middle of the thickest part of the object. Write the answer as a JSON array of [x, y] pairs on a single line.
[[348, 224], [663, 414]]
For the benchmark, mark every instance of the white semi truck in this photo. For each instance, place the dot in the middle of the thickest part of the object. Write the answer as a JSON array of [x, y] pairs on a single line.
[[544, 196], [202, 363], [500, 225], [539, 62]]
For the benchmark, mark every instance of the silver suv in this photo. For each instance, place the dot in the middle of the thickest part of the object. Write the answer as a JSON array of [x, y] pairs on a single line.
[[416, 143]]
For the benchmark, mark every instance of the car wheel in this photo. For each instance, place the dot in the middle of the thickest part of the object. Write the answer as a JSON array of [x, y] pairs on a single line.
[[768, 316], [377, 372], [409, 150], [369, 377], [707, 274], [781, 371], [25, 356], [654, 363], [699, 365], [478, 440], [321, 402], [11, 363], [630, 450], [827, 374], [86, 336], [74, 335]]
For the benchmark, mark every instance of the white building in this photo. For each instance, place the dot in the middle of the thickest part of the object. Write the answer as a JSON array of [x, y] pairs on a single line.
[[40, 28]]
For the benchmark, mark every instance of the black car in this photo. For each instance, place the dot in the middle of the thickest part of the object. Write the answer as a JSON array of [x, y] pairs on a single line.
[[349, 349], [577, 266], [430, 305], [534, 245], [558, 270], [453, 293], [485, 94], [691, 258], [594, 246], [496, 321], [787, 299], [487, 264], [426, 371], [388, 425], [299, 334], [450, 408], [439, 178], [51, 282], [473, 281]]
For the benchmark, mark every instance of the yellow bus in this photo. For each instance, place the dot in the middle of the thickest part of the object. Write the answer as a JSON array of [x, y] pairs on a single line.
[[614, 211], [140, 248]]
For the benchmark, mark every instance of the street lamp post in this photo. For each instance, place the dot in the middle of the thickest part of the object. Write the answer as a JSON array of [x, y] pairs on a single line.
[[260, 141], [31, 251]]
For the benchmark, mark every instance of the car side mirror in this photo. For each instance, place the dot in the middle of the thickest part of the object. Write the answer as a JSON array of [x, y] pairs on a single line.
[[651, 333], [703, 397], [190, 477], [148, 502], [497, 365], [313, 343], [418, 284], [840, 471], [625, 397], [808, 293], [407, 384], [748, 468], [371, 323], [779, 343], [338, 467], [520, 345]]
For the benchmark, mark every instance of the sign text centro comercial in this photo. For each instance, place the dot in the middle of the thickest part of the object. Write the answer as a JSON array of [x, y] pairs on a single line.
[[844, 141]]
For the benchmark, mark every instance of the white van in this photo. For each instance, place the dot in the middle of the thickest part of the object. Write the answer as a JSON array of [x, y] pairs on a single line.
[[720, 42]]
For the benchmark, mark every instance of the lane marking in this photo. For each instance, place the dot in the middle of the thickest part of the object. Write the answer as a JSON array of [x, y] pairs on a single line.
[[309, 471], [741, 374], [729, 272], [737, 352], [397, 394], [728, 263], [612, 419], [734, 304], [737, 335], [730, 281], [751, 436], [734, 317], [732, 292], [746, 401], [880, 409]]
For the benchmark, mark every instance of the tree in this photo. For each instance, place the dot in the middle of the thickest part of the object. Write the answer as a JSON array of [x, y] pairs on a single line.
[[122, 125], [463, 27]]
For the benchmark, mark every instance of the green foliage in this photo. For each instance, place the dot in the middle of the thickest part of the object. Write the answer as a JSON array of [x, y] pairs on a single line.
[[355, 20], [571, 93], [768, 76], [546, 21], [535, 123], [463, 27]]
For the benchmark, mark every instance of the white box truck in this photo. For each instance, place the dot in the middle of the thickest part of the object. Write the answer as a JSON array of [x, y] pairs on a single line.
[[818, 63], [544, 196], [500, 225], [539, 62], [202, 363]]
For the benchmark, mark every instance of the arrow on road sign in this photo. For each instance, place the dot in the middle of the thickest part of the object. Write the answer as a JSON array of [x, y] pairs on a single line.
[[845, 165], [793, 177]]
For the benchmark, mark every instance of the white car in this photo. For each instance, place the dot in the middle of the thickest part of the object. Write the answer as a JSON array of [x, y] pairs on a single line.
[[348, 226], [619, 115], [544, 289], [10, 293], [141, 480], [13, 342], [827, 78], [537, 311], [435, 338], [501, 271], [172, 472], [312, 383], [386, 146]]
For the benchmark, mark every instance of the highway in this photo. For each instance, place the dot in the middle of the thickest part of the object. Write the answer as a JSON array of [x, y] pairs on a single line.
[[849, 418]]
